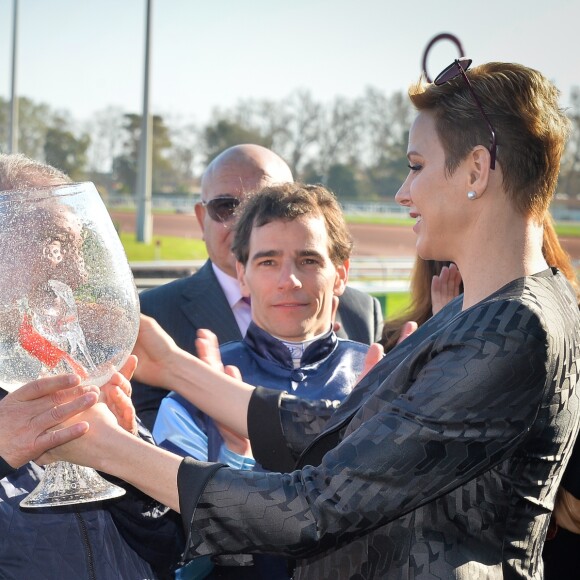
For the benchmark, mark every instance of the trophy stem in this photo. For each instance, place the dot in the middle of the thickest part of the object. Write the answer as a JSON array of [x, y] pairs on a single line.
[[66, 484]]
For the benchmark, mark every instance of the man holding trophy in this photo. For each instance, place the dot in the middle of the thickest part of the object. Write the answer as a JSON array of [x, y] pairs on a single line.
[[50, 326]]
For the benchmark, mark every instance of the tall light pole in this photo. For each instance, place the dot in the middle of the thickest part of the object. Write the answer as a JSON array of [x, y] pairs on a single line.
[[13, 134], [144, 221]]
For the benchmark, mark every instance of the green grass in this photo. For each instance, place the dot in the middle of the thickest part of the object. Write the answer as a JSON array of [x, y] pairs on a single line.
[[381, 220], [569, 230], [393, 303], [169, 248]]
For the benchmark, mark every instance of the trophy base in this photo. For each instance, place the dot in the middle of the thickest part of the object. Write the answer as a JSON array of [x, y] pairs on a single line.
[[68, 484]]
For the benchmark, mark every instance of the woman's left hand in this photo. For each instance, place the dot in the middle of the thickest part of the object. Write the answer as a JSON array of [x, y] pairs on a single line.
[[116, 394]]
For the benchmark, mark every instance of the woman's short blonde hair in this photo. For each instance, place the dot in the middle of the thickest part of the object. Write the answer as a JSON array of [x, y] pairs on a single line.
[[531, 128]]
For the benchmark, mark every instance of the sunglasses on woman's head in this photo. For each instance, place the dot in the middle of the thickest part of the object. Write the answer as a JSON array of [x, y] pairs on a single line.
[[456, 68], [221, 209]]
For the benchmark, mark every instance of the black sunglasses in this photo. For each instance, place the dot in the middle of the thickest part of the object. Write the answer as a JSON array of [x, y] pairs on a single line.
[[221, 209], [456, 68]]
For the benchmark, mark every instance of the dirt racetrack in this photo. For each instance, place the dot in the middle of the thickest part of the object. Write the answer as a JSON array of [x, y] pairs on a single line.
[[369, 239]]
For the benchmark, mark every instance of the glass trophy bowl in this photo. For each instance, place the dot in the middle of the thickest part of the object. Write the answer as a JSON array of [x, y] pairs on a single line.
[[68, 305]]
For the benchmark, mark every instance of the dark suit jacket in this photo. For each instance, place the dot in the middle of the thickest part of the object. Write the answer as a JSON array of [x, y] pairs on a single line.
[[183, 306]]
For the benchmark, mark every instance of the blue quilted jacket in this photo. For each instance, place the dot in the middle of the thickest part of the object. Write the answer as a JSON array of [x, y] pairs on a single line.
[[329, 370]]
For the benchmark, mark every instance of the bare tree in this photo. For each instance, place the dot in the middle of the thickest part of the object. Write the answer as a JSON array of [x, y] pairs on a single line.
[[386, 122], [300, 114], [106, 131], [339, 137], [185, 151], [35, 119], [570, 166]]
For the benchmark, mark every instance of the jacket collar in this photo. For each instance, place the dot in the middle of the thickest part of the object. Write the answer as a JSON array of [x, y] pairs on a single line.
[[272, 349]]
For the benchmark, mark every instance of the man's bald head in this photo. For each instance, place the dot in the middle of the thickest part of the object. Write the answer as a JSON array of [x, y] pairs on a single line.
[[248, 165]]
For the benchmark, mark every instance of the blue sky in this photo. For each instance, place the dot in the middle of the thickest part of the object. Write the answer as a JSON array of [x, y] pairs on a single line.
[[83, 55]]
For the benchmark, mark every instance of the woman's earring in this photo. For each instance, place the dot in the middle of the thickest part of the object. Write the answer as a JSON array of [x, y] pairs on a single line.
[[471, 195]]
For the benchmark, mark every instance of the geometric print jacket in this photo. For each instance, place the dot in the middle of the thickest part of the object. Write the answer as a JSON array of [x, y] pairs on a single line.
[[442, 463]]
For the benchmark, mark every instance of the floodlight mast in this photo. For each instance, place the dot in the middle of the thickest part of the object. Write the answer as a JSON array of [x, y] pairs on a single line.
[[144, 170]]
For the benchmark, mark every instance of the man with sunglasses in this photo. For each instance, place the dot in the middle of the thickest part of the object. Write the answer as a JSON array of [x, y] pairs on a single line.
[[211, 298]]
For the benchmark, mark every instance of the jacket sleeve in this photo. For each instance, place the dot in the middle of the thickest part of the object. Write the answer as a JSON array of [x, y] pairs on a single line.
[[471, 396], [280, 426], [176, 429]]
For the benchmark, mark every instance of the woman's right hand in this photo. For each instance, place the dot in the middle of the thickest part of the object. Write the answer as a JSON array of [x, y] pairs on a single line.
[[116, 394]]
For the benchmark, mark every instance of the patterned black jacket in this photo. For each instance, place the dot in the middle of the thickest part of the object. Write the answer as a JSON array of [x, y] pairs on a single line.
[[442, 463]]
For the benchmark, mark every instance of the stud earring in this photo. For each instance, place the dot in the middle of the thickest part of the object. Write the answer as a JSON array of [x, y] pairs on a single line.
[[471, 195]]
